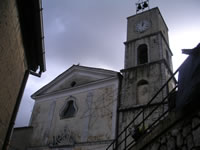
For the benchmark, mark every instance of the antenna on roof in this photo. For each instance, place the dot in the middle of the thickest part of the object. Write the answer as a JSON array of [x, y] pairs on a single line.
[[141, 5]]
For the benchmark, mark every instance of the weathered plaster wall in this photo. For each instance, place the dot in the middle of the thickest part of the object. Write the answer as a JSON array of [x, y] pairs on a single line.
[[127, 116], [154, 51], [152, 73], [89, 146], [12, 62], [166, 51], [156, 74], [157, 49], [95, 119], [66, 84]]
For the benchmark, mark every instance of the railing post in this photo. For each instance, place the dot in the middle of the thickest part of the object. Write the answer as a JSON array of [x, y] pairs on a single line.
[[125, 140], [116, 144], [143, 118], [167, 91]]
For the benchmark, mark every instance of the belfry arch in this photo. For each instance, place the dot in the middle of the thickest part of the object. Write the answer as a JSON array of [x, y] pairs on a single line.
[[142, 54], [142, 92]]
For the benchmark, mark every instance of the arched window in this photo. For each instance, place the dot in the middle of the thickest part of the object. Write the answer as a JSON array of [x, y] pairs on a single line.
[[69, 109], [142, 54], [142, 92]]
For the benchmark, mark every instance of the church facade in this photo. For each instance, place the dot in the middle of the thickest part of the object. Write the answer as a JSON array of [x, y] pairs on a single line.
[[77, 109], [86, 108]]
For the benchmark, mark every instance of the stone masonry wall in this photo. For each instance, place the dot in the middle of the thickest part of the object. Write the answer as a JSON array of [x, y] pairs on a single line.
[[184, 136], [12, 62], [174, 133]]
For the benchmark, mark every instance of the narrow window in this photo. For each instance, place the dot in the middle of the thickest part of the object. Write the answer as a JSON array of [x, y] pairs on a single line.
[[68, 110], [167, 56], [142, 92], [142, 54]]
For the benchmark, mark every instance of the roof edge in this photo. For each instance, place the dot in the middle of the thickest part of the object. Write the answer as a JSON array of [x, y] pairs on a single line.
[[73, 67]]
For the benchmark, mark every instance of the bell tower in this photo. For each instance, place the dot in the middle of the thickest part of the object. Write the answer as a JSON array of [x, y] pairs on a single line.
[[147, 63], [147, 39]]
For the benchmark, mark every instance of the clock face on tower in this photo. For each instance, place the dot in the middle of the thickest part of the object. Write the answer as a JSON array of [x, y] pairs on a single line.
[[142, 26]]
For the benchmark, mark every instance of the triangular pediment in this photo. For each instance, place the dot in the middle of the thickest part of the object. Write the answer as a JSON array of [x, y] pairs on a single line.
[[73, 77]]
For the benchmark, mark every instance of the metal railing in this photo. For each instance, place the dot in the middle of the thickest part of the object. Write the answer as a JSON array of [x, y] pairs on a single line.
[[127, 139]]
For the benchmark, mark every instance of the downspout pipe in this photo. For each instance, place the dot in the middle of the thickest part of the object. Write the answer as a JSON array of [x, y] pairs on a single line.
[[120, 77], [35, 73], [14, 114], [17, 105]]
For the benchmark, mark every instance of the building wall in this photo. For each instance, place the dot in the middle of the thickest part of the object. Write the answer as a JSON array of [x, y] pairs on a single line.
[[12, 62], [93, 123], [90, 146], [133, 100], [157, 50], [21, 143], [153, 73]]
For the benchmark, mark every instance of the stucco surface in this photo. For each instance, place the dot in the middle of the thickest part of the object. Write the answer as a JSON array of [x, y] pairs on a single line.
[[12, 62], [94, 119]]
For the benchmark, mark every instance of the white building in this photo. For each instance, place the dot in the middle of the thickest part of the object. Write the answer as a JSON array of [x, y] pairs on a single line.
[[77, 109]]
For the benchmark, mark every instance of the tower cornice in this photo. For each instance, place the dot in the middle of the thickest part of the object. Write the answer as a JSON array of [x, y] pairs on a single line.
[[159, 32], [141, 13]]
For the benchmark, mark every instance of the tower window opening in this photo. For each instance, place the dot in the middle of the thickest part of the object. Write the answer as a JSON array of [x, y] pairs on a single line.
[[142, 54], [167, 56]]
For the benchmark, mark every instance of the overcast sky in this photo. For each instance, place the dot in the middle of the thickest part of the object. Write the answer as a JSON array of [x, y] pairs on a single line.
[[92, 32]]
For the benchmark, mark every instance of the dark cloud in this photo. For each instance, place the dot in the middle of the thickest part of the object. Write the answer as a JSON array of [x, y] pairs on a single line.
[[92, 32], [85, 31]]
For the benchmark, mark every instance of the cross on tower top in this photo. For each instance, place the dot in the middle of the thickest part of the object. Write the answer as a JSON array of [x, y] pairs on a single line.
[[141, 5]]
